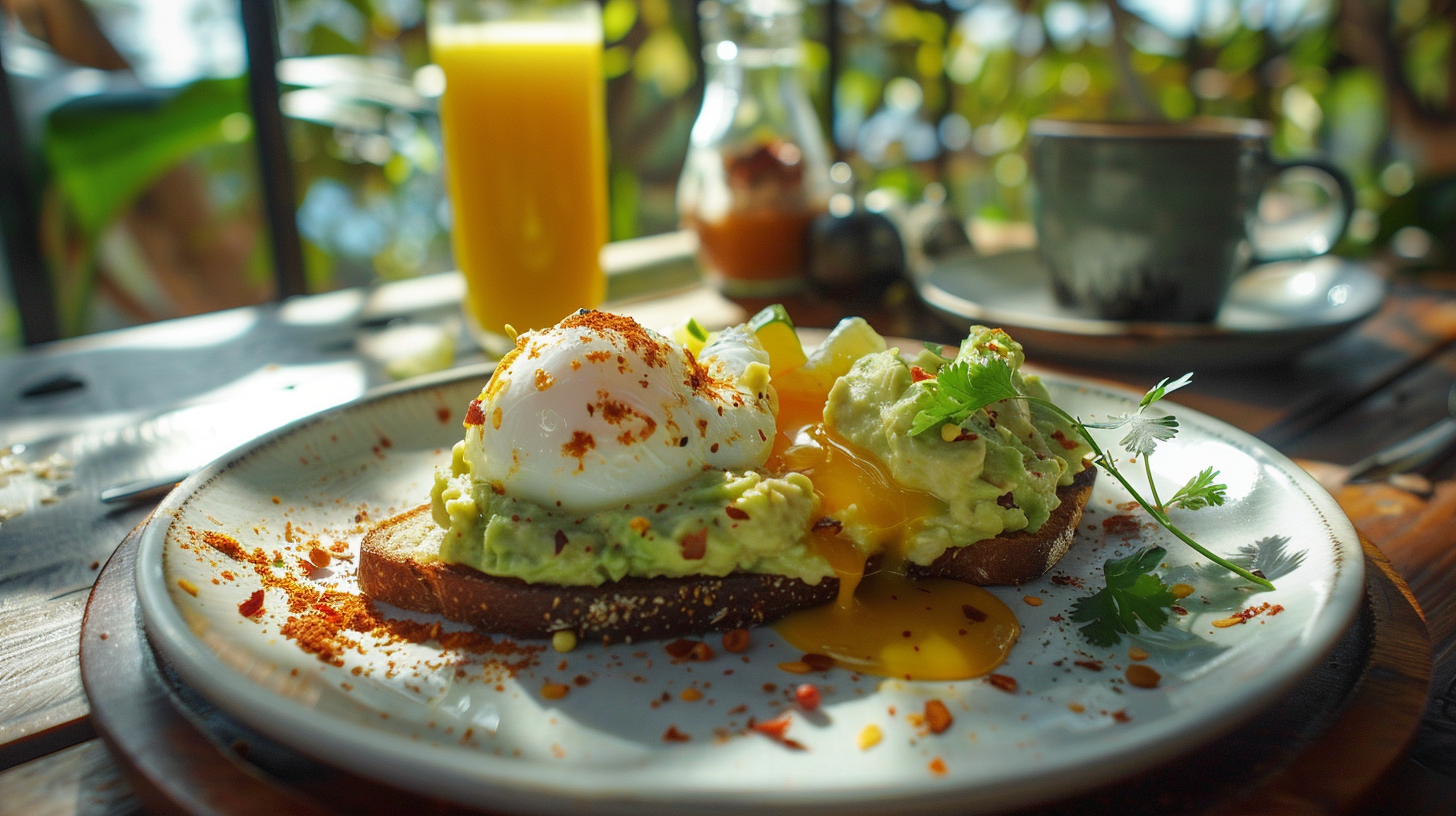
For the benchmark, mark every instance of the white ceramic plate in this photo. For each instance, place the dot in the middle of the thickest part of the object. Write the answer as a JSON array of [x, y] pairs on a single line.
[[1271, 313], [465, 728]]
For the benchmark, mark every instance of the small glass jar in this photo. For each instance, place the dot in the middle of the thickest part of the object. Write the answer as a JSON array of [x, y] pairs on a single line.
[[757, 170]]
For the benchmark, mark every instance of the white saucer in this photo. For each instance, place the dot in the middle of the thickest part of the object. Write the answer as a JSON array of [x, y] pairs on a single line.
[[1272, 313]]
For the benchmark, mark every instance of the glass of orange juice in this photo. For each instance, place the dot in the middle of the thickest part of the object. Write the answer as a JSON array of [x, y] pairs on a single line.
[[524, 121]]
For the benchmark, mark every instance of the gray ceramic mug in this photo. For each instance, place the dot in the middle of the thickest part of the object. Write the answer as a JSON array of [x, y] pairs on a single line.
[[1153, 221]]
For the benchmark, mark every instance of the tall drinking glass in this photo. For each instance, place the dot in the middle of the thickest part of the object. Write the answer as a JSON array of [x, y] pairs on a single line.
[[524, 123]]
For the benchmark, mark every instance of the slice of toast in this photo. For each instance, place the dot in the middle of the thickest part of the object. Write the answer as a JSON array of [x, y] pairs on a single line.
[[399, 564], [1015, 558]]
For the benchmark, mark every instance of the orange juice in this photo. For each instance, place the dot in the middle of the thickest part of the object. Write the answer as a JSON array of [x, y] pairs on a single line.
[[525, 148]]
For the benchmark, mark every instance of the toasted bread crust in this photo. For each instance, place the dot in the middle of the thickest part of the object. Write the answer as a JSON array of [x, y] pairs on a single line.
[[394, 568], [1019, 557], [629, 609]]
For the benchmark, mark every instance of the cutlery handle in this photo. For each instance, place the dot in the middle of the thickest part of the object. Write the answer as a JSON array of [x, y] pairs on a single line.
[[142, 489], [1408, 454]]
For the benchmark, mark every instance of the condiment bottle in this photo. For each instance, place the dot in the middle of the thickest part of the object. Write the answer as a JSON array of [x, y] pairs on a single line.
[[757, 170]]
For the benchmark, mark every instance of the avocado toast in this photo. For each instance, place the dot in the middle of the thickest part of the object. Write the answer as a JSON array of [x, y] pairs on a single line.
[[720, 548]]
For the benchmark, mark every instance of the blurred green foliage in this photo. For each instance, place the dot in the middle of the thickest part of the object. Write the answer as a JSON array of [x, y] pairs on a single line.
[[927, 91], [102, 153], [985, 69]]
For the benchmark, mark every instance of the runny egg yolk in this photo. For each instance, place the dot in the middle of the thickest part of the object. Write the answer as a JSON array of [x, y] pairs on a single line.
[[884, 623]]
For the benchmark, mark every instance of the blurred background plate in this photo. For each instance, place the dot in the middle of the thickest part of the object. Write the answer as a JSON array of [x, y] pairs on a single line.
[[1273, 312]]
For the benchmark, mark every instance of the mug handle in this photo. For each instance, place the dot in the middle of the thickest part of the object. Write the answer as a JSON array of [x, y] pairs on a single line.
[[1333, 227]]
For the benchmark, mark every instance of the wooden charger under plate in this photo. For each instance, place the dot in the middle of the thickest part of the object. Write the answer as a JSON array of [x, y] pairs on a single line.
[[1318, 748]]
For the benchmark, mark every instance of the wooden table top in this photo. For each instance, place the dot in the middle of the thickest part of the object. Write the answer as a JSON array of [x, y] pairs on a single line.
[[1332, 405]]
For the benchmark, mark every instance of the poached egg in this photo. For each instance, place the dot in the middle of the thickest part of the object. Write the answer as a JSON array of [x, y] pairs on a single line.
[[598, 411]]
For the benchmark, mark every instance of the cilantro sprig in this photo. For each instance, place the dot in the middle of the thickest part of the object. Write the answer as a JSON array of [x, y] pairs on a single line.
[[1132, 594], [962, 388]]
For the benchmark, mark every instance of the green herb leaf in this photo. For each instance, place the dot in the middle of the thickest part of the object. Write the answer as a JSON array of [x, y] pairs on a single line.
[[1163, 389], [1145, 432], [961, 389], [1201, 491], [1132, 595], [939, 351]]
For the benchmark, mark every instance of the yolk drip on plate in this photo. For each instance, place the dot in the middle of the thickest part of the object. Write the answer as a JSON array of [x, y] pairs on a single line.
[[884, 623]]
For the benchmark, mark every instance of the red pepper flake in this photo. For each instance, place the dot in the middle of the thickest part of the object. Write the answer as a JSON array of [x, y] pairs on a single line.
[[937, 716], [330, 614], [473, 414], [319, 557], [674, 735], [1003, 682], [581, 443], [776, 730], [736, 640], [1067, 444], [1247, 614], [973, 613], [695, 545], [817, 662], [561, 541], [443, 414], [691, 650], [1254, 611], [807, 697], [1120, 525], [918, 374], [1275, 609], [253, 606], [227, 545], [1090, 665], [937, 766], [701, 652], [1067, 580], [735, 513], [1006, 500], [1120, 715]]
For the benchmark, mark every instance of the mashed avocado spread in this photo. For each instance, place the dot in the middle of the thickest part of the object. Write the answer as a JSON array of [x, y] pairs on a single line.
[[997, 472], [720, 522]]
